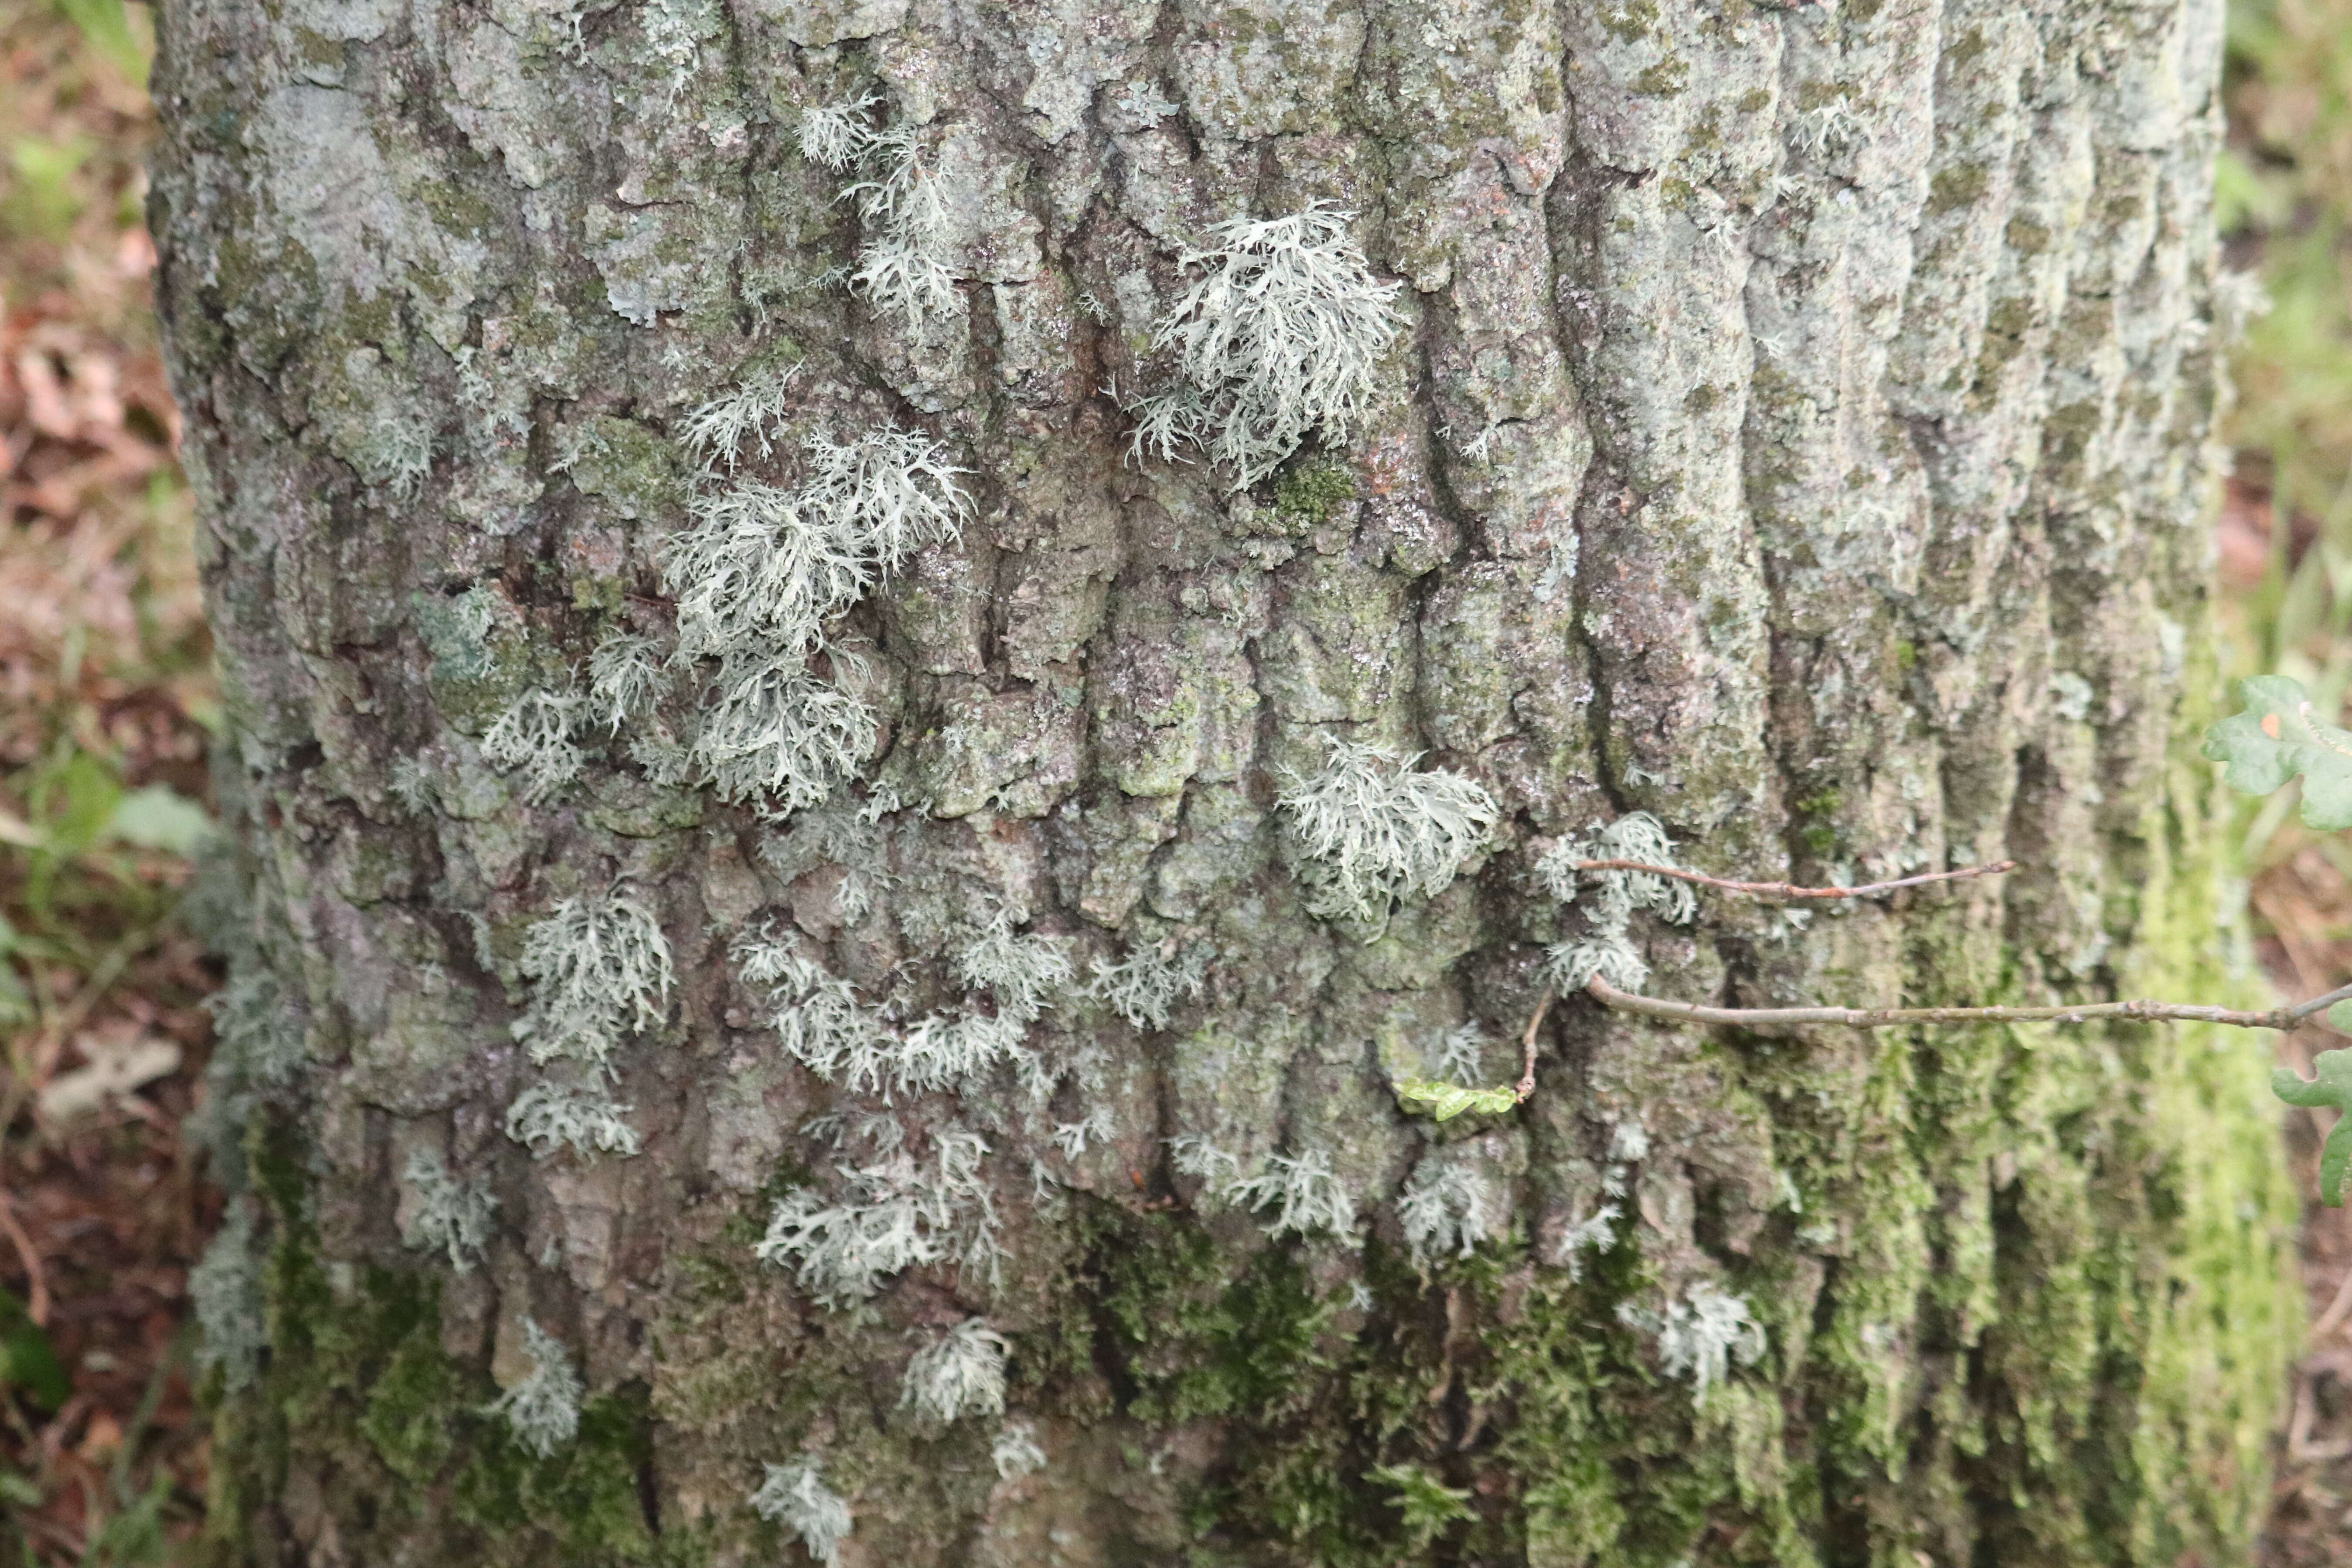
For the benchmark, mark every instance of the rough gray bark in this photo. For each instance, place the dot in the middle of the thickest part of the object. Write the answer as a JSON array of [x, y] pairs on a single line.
[[1799, 429]]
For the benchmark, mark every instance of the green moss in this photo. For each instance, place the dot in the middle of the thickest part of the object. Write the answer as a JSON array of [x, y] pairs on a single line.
[[1666, 78], [1311, 1413], [1312, 493], [360, 1388]]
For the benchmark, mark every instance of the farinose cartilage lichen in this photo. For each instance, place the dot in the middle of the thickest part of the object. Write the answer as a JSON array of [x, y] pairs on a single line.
[[548, 1116], [1279, 339], [960, 1374], [795, 1497], [1700, 1335], [1460, 1056], [895, 1212], [746, 413], [533, 739], [775, 735], [1447, 1209], [904, 264], [1606, 950], [1015, 1452], [1144, 988], [1306, 1196], [758, 577], [224, 1293], [1022, 971], [542, 1410], [450, 1215], [1373, 830], [600, 971], [624, 678]]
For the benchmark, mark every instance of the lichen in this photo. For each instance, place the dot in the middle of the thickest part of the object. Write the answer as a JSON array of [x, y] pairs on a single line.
[[1278, 339], [1373, 830], [542, 1409], [452, 1216]]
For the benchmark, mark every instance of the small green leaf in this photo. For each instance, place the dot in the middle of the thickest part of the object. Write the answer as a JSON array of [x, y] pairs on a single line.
[[76, 801], [1444, 1101], [2278, 736], [2333, 1086], [1428, 1504], [26, 1360], [2339, 1017], [158, 818], [107, 26]]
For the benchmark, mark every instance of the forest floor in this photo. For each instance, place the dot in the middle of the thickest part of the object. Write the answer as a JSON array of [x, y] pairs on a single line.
[[106, 712]]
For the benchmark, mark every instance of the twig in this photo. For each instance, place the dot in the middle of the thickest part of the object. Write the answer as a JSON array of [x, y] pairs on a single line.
[[2281, 1018], [1527, 1084], [2337, 1311], [36, 1279], [1791, 890]]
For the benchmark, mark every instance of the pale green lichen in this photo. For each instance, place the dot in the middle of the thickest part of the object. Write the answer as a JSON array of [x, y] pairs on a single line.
[[224, 1293], [795, 1497], [550, 1116], [542, 1409], [897, 1212], [1606, 948], [1447, 1208], [600, 971], [1277, 340], [451, 1214], [1145, 986], [625, 676], [960, 1373], [1372, 830], [533, 739]]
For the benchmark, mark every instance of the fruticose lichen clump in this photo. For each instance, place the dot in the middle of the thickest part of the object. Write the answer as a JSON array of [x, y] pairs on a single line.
[[960, 1374], [1606, 950], [542, 1410], [451, 1214], [1144, 988], [1307, 1196], [548, 1116], [895, 1212], [1449, 1209], [1280, 337], [533, 739], [1373, 830], [903, 265], [795, 1497], [600, 971]]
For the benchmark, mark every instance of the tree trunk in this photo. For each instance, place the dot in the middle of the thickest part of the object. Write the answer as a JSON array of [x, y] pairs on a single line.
[[1791, 421]]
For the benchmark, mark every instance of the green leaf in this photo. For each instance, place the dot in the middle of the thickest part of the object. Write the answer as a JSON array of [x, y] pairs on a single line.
[[2333, 1086], [158, 819], [2280, 736], [76, 801], [1427, 1097], [26, 1360], [1428, 1504], [2339, 1017], [106, 27]]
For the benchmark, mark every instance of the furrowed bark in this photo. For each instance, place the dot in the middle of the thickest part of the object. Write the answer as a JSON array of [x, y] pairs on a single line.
[[1799, 428]]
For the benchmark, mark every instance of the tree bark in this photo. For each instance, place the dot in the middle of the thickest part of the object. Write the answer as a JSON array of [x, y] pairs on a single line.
[[1798, 427]]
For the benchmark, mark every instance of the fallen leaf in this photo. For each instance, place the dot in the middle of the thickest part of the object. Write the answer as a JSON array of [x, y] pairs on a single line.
[[113, 1068]]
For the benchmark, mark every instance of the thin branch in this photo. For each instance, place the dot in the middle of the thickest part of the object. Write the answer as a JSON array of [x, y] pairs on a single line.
[[1791, 890], [2281, 1018], [1527, 1084], [36, 1279]]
